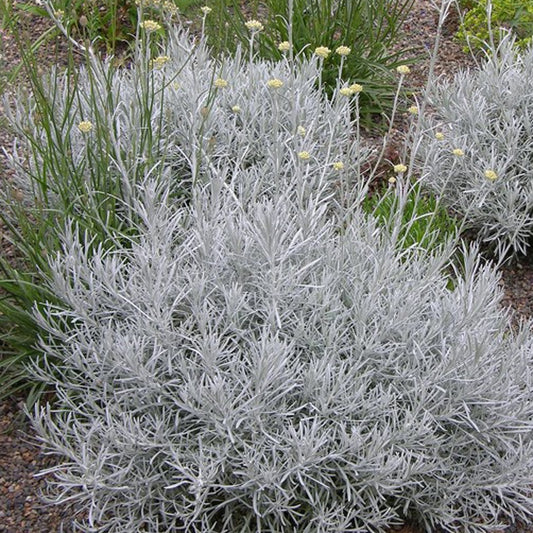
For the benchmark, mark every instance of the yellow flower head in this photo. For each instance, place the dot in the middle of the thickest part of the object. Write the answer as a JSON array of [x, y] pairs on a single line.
[[356, 88], [220, 83], [304, 156], [59, 14], [175, 85], [254, 25], [346, 91], [322, 51], [392, 180], [439, 136], [159, 62], [236, 109], [150, 25], [400, 168], [206, 10], [458, 152], [403, 70], [284, 46], [343, 50], [491, 175], [301, 131], [274, 83], [170, 8], [85, 126], [338, 165], [413, 110]]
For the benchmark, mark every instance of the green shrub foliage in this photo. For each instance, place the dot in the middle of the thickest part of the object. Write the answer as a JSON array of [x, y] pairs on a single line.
[[510, 15]]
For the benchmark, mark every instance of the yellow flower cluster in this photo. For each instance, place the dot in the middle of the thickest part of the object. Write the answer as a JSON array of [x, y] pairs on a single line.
[[413, 110], [338, 165], [159, 62], [236, 109], [274, 83], [85, 126], [355, 88], [439, 136], [400, 168], [403, 70], [284, 46], [254, 25], [206, 10], [322, 51], [150, 25], [301, 131], [171, 8], [491, 175], [220, 83], [343, 50], [458, 152], [304, 156]]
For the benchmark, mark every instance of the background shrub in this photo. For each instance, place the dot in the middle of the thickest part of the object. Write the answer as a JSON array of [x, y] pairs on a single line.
[[513, 15], [369, 29], [485, 116], [109, 25]]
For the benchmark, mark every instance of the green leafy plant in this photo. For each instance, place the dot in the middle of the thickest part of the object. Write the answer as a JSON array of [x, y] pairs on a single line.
[[513, 15], [367, 29], [424, 222]]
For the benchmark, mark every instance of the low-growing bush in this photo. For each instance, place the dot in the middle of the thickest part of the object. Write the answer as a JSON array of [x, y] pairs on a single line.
[[247, 366], [477, 148], [233, 343]]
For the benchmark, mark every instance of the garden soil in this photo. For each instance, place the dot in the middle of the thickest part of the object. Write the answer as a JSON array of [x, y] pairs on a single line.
[[22, 510]]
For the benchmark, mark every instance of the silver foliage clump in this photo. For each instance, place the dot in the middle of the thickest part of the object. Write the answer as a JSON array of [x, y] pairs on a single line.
[[488, 114], [173, 113], [252, 366]]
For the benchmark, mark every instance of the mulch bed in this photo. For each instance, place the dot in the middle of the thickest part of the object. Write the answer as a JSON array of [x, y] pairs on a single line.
[[21, 508]]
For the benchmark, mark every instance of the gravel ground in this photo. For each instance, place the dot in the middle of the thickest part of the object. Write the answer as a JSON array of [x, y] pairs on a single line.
[[21, 508]]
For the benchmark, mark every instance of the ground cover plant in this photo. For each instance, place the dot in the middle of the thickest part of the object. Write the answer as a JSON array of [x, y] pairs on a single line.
[[477, 148], [246, 366], [234, 343]]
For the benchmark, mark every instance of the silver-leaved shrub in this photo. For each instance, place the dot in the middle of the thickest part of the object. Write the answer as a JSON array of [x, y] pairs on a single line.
[[181, 111], [262, 356], [477, 151], [256, 366]]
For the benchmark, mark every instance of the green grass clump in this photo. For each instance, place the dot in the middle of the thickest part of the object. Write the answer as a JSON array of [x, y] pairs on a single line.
[[423, 221]]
